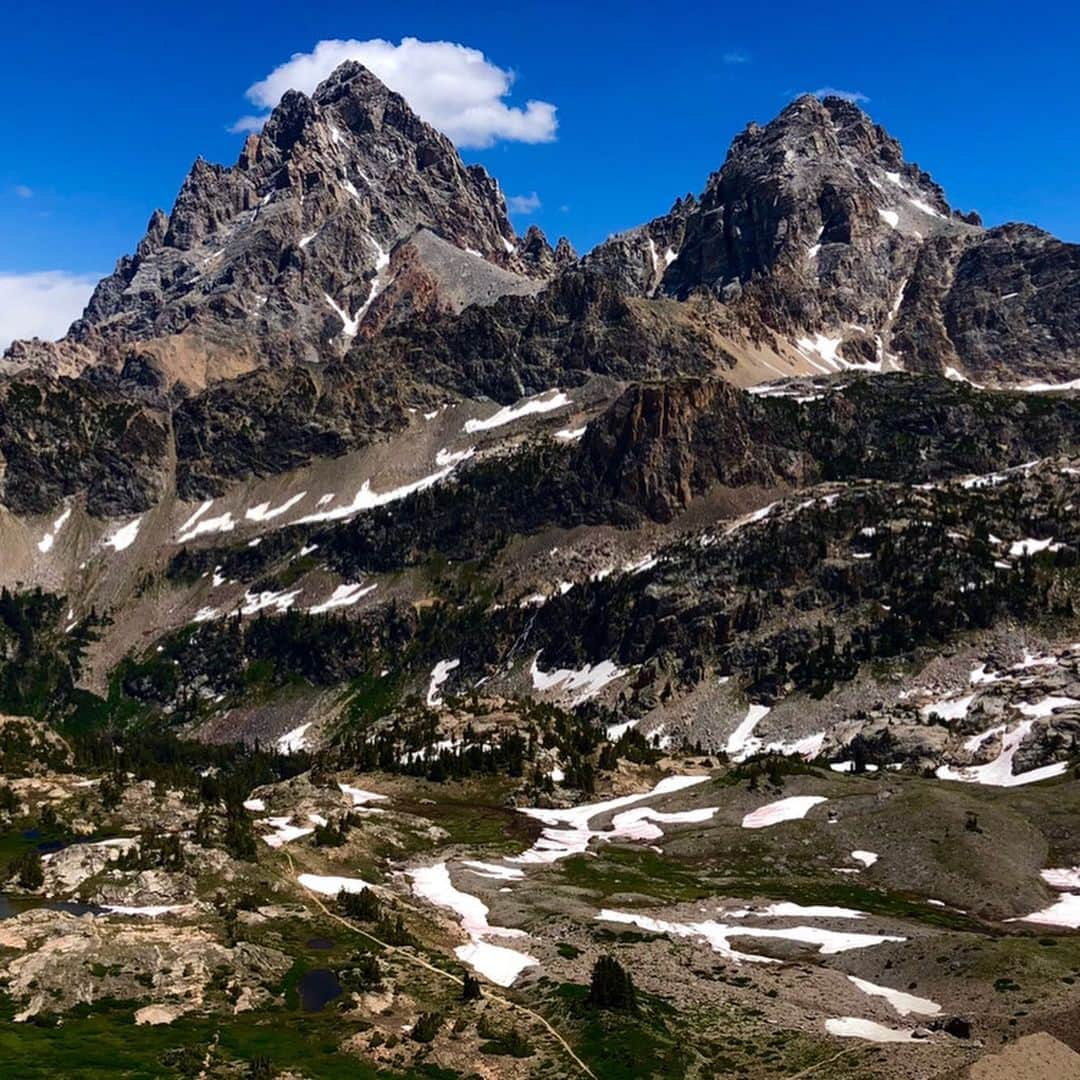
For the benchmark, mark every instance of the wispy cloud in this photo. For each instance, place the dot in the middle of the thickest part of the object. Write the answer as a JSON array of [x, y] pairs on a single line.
[[453, 87], [23, 191], [42, 304], [523, 204], [244, 124], [854, 96], [736, 56]]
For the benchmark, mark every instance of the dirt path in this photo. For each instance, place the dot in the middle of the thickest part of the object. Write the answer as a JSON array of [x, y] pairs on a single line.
[[817, 1065], [419, 961]]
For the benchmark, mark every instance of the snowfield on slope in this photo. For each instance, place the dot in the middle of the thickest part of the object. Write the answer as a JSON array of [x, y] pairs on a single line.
[[542, 403], [498, 963]]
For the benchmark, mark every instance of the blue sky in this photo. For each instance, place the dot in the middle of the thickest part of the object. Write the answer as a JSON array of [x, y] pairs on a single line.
[[105, 106]]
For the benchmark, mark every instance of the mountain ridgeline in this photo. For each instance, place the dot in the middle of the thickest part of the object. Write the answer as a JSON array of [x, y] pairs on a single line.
[[402, 619], [349, 267]]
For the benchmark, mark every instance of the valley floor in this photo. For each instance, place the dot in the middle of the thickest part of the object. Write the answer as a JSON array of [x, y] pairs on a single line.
[[855, 933]]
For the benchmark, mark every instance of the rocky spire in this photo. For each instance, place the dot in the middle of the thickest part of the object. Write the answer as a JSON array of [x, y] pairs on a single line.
[[281, 257]]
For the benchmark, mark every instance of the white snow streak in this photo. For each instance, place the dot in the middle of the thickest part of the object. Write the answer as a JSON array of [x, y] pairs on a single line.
[[852, 1027], [553, 399], [343, 596], [590, 679], [124, 537], [294, 740], [905, 1004], [46, 542], [790, 809], [498, 963], [263, 513], [717, 934], [439, 674]]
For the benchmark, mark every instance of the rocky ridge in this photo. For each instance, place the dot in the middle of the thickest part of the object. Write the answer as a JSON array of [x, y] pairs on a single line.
[[349, 267]]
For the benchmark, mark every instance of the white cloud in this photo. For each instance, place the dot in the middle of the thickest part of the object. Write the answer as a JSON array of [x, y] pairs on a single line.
[[854, 96], [247, 123], [23, 191], [736, 56], [523, 204], [454, 88], [42, 304]]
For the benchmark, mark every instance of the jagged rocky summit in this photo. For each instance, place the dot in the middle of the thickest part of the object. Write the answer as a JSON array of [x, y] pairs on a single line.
[[349, 267]]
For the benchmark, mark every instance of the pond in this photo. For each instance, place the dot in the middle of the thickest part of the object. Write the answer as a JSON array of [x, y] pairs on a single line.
[[317, 988], [15, 905]]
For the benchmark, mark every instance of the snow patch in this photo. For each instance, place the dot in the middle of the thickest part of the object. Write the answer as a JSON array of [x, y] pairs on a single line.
[[852, 1027], [493, 870], [439, 674], [262, 513], [570, 434], [46, 542], [553, 399], [496, 962], [954, 709], [1027, 548], [125, 536], [905, 1004], [253, 603], [589, 680], [148, 911], [999, 772], [366, 499], [739, 739], [639, 823], [1045, 387], [359, 796], [568, 831], [825, 348], [294, 740], [926, 208], [343, 596], [742, 743], [717, 934], [196, 525], [1065, 912], [330, 885], [1066, 877], [790, 809], [787, 909], [284, 832]]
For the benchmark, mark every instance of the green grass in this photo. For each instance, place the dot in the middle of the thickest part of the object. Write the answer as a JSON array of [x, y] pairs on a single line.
[[632, 870], [476, 817], [108, 1044], [619, 1046], [668, 880], [845, 894]]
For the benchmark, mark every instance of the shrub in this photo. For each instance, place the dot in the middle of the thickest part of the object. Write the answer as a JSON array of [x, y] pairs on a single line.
[[427, 1027]]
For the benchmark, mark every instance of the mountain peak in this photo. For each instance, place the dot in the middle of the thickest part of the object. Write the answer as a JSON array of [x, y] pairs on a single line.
[[349, 74], [281, 256]]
